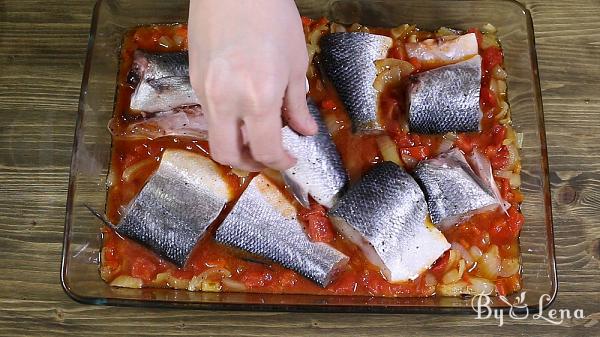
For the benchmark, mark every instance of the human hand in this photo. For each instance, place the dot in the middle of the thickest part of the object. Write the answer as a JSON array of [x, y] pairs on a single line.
[[248, 63]]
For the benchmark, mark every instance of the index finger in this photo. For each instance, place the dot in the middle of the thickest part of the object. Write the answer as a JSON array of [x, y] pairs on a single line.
[[264, 140]]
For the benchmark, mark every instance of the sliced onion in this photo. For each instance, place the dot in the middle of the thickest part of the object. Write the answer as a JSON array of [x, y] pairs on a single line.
[[315, 35], [211, 286], [499, 73], [475, 252], [409, 161], [388, 149], [451, 276], [445, 31], [356, 27], [125, 281], [430, 280], [177, 283], [462, 266], [488, 28], [480, 286], [464, 253], [337, 28], [509, 267], [166, 42], [501, 87], [489, 40], [133, 170], [179, 40], [391, 76], [401, 32], [333, 125], [490, 263], [232, 285], [385, 64], [240, 173], [412, 39], [454, 289], [520, 140]]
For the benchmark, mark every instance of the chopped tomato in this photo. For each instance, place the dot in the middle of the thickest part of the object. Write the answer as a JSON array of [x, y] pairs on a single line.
[[256, 278], [464, 143], [499, 132], [144, 269], [416, 63], [488, 99], [288, 279], [403, 140], [182, 273], [328, 104], [492, 57], [307, 21], [345, 284], [515, 221], [319, 227], [439, 266], [500, 232]]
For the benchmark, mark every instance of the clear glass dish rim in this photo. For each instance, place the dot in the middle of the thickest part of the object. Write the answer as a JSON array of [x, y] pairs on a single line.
[[553, 277]]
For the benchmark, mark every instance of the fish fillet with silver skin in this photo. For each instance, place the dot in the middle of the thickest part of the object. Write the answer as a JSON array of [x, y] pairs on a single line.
[[319, 170], [453, 191], [446, 99], [263, 222], [347, 60], [177, 205], [385, 214], [162, 80]]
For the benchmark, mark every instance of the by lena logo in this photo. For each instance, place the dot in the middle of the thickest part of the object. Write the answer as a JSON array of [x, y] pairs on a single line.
[[518, 310]]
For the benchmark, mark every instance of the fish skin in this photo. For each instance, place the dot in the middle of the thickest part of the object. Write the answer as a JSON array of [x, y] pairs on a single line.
[[187, 121], [446, 99], [319, 170], [347, 60], [263, 222], [385, 214], [163, 82], [453, 191], [176, 206], [446, 50]]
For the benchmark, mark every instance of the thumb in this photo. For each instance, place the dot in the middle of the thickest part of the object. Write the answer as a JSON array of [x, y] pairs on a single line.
[[295, 111]]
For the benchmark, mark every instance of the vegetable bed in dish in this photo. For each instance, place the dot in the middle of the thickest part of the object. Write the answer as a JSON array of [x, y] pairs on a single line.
[[483, 254]]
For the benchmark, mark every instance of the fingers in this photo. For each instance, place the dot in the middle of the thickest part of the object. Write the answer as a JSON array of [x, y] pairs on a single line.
[[295, 111], [264, 139], [226, 145]]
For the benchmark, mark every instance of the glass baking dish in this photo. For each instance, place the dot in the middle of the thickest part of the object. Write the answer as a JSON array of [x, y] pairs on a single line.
[[91, 153]]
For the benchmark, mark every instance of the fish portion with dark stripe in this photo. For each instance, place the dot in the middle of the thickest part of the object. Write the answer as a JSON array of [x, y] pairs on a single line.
[[263, 222], [319, 170], [446, 99], [177, 205], [452, 189], [385, 214], [162, 82], [347, 60]]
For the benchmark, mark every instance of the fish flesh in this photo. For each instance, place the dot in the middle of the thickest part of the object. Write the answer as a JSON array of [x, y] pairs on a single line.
[[319, 170], [347, 60], [444, 50], [453, 191], [186, 121], [446, 99], [385, 214], [263, 222], [162, 82], [177, 205], [483, 169]]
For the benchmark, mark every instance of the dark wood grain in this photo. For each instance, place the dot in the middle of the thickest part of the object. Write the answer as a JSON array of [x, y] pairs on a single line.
[[42, 51]]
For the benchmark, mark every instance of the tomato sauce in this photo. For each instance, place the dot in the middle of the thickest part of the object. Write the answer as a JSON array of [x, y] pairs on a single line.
[[121, 256]]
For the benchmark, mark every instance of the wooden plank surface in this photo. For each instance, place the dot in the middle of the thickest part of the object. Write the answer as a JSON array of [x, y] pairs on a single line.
[[42, 51]]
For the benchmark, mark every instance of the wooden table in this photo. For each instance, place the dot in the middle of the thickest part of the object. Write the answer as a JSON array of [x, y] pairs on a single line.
[[42, 52]]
